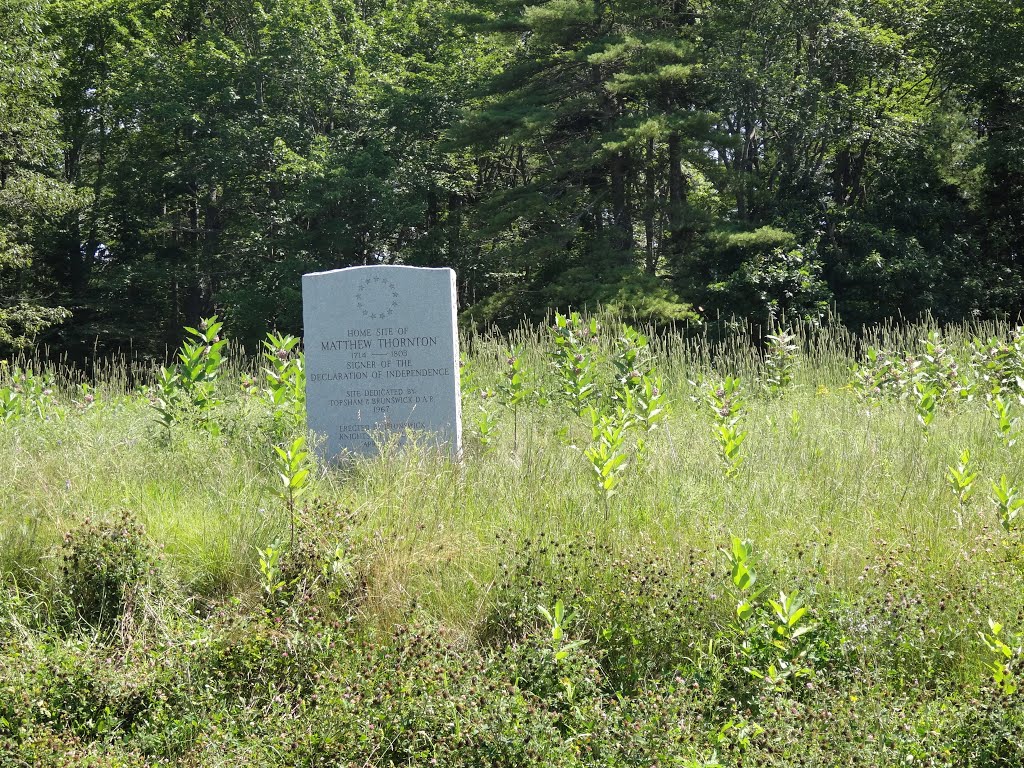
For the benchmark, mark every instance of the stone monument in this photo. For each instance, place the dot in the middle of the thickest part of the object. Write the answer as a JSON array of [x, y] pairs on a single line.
[[382, 357]]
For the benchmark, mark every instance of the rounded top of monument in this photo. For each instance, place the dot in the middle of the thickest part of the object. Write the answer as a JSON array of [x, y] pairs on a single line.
[[380, 267]]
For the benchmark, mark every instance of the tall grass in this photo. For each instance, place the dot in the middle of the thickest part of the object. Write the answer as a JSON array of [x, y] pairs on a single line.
[[829, 479]]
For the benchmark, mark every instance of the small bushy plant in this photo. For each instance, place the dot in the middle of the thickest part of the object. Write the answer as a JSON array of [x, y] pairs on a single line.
[[320, 570], [638, 391], [998, 364], [10, 405], [187, 390], [779, 361], [105, 569], [574, 359], [1009, 501], [285, 377], [961, 478], [293, 466], [726, 404], [514, 391], [1007, 654], [486, 423], [772, 636], [930, 378], [1008, 426], [607, 452], [25, 392]]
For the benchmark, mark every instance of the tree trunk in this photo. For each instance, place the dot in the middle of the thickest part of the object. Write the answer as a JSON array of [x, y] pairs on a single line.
[[454, 227], [623, 237], [678, 235], [650, 260]]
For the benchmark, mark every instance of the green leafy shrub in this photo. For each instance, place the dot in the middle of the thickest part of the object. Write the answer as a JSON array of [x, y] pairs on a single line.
[[285, 375], [766, 270], [641, 618], [25, 392], [624, 292], [320, 570], [574, 359], [779, 360], [187, 390], [998, 364], [105, 570], [771, 637], [725, 401]]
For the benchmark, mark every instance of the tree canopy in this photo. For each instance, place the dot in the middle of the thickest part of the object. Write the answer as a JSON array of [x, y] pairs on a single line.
[[162, 160]]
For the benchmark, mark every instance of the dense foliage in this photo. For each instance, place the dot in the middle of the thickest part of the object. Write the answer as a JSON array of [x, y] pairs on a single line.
[[653, 553], [160, 161]]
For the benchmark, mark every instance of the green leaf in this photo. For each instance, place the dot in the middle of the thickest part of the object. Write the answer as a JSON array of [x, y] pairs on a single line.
[[744, 610], [800, 631]]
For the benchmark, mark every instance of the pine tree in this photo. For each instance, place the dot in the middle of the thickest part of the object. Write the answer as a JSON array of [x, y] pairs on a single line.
[[594, 126]]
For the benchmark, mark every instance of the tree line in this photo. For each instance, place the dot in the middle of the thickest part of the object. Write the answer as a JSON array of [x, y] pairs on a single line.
[[162, 160]]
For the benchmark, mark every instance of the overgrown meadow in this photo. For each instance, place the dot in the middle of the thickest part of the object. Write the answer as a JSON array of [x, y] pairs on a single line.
[[655, 551]]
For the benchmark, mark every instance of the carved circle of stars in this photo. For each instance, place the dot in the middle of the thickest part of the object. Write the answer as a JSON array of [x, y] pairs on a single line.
[[382, 300]]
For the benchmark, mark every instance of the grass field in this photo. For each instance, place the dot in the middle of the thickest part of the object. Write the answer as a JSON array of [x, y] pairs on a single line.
[[663, 552]]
